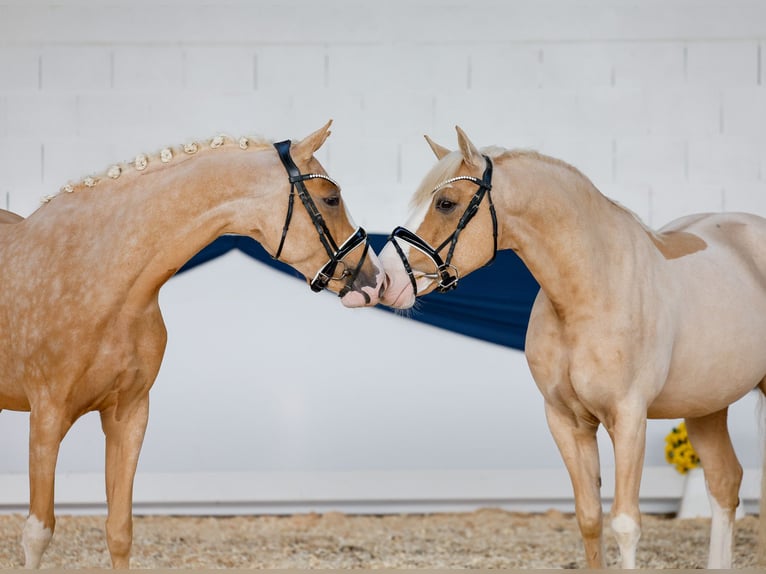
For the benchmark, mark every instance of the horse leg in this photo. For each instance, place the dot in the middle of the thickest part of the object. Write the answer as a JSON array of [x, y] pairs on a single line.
[[47, 427], [124, 438], [710, 438], [628, 433], [576, 440]]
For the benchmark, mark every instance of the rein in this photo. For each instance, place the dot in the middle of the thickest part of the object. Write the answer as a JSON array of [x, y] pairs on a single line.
[[335, 253], [446, 273]]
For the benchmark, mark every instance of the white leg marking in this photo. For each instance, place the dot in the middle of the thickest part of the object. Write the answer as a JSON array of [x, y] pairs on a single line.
[[34, 540], [627, 532], [721, 536]]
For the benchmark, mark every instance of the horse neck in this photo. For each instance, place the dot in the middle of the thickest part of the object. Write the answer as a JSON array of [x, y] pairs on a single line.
[[142, 227], [575, 242]]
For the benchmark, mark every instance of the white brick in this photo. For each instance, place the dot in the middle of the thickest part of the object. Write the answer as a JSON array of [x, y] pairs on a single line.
[[576, 65], [671, 201], [648, 64], [20, 165], [722, 64], [340, 20], [76, 68], [366, 68], [114, 114], [150, 68], [366, 170], [220, 69], [650, 161], [311, 109], [380, 207], [169, 117], [356, 162], [397, 113], [683, 111], [512, 118], [36, 115], [3, 116], [610, 112], [749, 197], [725, 160], [505, 66], [593, 157], [291, 68], [744, 112], [19, 68]]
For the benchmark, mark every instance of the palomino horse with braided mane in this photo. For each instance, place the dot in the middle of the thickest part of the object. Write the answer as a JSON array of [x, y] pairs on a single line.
[[80, 325], [629, 323]]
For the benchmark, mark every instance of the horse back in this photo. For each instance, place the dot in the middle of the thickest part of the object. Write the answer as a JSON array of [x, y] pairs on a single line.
[[738, 239]]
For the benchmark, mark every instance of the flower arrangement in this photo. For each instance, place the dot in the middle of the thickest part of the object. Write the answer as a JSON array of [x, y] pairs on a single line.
[[679, 450]]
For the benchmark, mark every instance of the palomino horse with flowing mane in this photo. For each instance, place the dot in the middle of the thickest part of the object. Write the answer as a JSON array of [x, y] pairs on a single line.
[[80, 325], [629, 323]]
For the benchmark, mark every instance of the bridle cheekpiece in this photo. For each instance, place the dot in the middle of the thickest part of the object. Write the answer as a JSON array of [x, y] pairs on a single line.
[[335, 253]]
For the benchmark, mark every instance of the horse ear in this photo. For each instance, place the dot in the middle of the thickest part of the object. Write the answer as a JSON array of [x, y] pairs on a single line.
[[439, 151], [304, 149], [471, 155]]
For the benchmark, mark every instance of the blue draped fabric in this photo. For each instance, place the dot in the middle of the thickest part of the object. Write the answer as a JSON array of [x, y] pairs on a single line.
[[492, 303]]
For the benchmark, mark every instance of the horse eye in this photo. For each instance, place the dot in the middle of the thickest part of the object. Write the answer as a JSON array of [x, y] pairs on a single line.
[[445, 205], [332, 201]]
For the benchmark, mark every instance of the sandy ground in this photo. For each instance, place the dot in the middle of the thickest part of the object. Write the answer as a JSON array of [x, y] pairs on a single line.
[[483, 539]]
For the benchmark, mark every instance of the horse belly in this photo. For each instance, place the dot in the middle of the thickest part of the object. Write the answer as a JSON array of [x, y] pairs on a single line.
[[719, 351]]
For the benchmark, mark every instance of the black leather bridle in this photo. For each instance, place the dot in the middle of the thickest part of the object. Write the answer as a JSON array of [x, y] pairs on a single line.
[[446, 273], [335, 253]]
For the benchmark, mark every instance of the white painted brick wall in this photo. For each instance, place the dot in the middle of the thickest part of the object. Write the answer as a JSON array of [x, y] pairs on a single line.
[[219, 69], [19, 68], [722, 64], [576, 65], [148, 68], [744, 112], [637, 96], [75, 68], [642, 64], [292, 69]]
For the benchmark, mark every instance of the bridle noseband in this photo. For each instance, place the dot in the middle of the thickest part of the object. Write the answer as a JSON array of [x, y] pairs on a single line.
[[335, 253], [446, 273]]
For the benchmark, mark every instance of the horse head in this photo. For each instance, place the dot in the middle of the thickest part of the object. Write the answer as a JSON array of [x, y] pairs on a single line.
[[452, 230], [309, 226]]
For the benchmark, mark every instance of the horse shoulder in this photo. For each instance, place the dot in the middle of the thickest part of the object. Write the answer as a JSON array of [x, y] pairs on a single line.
[[544, 345]]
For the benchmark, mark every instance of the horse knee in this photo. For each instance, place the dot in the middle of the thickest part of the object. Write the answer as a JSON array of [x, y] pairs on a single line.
[[590, 523], [35, 540]]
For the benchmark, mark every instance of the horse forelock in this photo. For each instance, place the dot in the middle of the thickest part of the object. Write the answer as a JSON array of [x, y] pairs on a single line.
[[165, 157], [445, 169]]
